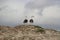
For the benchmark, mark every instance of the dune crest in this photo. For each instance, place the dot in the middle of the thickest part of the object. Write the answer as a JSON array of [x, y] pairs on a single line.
[[28, 32]]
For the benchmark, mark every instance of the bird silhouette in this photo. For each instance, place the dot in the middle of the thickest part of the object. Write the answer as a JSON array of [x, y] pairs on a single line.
[[25, 21], [31, 20]]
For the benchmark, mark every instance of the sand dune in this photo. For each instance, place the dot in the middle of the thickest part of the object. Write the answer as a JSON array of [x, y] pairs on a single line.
[[28, 32]]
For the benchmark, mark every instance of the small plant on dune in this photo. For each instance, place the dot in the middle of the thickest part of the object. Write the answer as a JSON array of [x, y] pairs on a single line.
[[40, 29]]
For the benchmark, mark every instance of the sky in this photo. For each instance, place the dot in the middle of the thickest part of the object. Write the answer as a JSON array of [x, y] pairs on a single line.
[[46, 12]]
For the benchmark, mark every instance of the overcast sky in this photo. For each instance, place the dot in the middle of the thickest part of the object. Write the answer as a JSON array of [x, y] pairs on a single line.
[[46, 12]]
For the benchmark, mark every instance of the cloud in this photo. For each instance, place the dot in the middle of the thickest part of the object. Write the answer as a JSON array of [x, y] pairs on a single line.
[[41, 4], [11, 12]]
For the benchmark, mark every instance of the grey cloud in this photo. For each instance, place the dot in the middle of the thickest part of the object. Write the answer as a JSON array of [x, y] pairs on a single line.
[[8, 15], [41, 4]]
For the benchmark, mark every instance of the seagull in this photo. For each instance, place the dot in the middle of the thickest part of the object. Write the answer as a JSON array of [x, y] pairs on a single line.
[[31, 20], [25, 21]]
